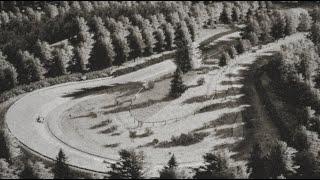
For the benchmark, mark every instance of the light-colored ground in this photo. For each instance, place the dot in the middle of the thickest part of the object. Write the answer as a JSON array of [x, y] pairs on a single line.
[[170, 118], [21, 117]]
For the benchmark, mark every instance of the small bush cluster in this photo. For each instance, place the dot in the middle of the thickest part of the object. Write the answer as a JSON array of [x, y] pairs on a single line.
[[183, 140]]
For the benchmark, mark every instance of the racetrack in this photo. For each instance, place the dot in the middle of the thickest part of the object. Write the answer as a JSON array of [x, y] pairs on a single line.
[[50, 102], [22, 115]]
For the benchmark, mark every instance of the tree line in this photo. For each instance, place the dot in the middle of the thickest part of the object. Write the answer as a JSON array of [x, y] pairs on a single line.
[[98, 40]]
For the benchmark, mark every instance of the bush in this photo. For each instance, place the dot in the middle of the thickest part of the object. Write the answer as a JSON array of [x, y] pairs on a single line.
[[232, 52], [224, 59], [183, 140], [149, 85], [155, 141], [132, 134], [200, 81]]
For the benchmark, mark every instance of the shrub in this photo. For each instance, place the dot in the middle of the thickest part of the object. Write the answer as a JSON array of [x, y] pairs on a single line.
[[149, 85], [155, 141], [183, 140], [132, 134], [200, 81], [232, 52], [224, 59]]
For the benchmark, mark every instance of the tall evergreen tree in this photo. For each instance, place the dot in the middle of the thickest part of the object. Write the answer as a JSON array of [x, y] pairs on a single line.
[[177, 86], [192, 27], [314, 34], [309, 165], [27, 172], [215, 166], [225, 17], [316, 78], [4, 149], [183, 36], [170, 171], [276, 161], [184, 57], [147, 34], [62, 58], [304, 22], [30, 69], [121, 48], [169, 35], [289, 26], [84, 45], [172, 163], [235, 16], [44, 52], [136, 43], [160, 40], [61, 169], [251, 27], [256, 164], [103, 52], [279, 24], [8, 74], [130, 166], [232, 52], [224, 59], [265, 24]]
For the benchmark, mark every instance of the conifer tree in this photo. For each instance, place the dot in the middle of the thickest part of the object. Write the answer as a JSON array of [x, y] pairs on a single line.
[[279, 24], [309, 165], [136, 43], [225, 15], [4, 149], [170, 171], [215, 167], [103, 51], [130, 166], [169, 35], [192, 27], [235, 14], [314, 34], [289, 26], [224, 59], [61, 169], [44, 52], [276, 161], [253, 38], [172, 162], [316, 78], [256, 164], [27, 172], [147, 34], [183, 36], [84, 45], [184, 57], [304, 22], [177, 86], [8, 74], [160, 40], [232, 52], [62, 58], [121, 48], [30, 69]]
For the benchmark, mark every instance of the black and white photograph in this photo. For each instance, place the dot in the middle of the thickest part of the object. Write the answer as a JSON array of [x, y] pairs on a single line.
[[159, 89]]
